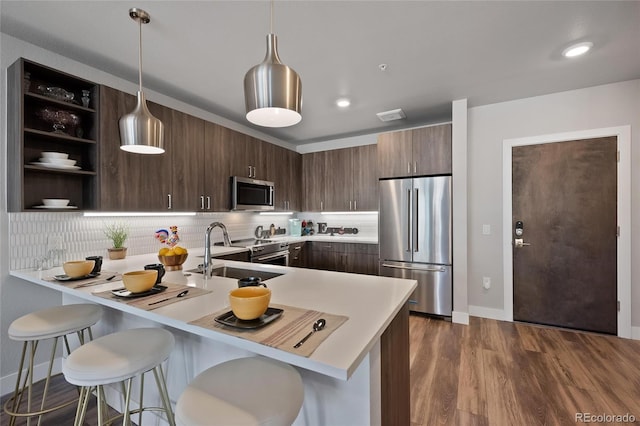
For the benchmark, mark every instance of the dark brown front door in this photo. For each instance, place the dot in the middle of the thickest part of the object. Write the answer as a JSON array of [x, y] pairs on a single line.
[[565, 201]]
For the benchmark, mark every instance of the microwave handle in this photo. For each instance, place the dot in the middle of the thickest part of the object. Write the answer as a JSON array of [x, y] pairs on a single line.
[[271, 196]]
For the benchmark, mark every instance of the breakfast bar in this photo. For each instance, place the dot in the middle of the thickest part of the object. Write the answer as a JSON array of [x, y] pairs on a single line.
[[357, 375]]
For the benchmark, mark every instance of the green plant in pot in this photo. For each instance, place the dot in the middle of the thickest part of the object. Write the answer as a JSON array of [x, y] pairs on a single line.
[[117, 233]]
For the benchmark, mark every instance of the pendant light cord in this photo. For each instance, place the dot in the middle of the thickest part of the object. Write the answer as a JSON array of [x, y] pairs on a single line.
[[140, 54], [271, 19]]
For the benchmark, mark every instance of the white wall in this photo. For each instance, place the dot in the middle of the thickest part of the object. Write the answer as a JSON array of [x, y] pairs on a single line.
[[609, 105]]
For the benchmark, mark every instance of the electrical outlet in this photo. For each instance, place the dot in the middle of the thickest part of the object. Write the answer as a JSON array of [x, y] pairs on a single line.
[[486, 229], [486, 283]]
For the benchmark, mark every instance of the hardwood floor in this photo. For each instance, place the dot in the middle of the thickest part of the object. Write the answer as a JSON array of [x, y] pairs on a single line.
[[500, 373], [59, 392], [494, 373]]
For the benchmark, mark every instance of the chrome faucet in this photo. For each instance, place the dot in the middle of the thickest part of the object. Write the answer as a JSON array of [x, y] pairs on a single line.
[[206, 266]]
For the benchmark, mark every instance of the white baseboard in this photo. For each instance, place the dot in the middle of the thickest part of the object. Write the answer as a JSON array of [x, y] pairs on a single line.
[[490, 313], [8, 382], [635, 333], [460, 318]]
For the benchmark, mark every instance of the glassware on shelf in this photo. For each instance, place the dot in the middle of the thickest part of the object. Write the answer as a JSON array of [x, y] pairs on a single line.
[[85, 98], [57, 93], [26, 83], [63, 122]]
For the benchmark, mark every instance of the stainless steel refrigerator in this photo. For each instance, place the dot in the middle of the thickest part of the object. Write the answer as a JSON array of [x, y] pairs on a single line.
[[415, 239]]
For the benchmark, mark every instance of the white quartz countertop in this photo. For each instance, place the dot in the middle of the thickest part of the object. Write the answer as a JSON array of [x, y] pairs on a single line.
[[370, 302]]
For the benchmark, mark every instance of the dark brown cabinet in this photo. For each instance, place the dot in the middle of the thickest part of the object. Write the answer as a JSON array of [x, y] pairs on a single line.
[[341, 179], [297, 254], [128, 181], [187, 164], [218, 142], [49, 114], [283, 168], [417, 152], [342, 257]]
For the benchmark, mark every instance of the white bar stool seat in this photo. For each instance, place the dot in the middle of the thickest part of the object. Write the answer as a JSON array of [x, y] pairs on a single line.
[[51, 323], [245, 391], [116, 358]]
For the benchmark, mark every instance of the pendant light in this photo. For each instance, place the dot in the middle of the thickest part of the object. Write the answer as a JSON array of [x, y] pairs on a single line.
[[141, 132], [272, 90]]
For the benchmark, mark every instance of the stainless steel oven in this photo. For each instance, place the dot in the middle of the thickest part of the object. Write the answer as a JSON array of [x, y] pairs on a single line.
[[274, 258]]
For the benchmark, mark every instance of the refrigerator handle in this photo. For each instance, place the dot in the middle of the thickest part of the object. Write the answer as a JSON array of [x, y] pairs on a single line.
[[415, 223], [408, 220], [413, 268]]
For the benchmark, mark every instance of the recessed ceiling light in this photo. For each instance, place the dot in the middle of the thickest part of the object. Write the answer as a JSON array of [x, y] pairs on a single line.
[[577, 49], [343, 102]]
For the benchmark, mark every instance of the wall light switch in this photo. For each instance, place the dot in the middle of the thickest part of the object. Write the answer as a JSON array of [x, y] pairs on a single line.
[[486, 229], [486, 283]]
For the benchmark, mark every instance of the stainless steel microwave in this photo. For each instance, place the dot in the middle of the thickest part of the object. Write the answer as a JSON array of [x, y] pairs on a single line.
[[251, 194]]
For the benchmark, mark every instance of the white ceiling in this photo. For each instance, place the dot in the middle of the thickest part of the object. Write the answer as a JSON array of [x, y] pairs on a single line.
[[436, 52]]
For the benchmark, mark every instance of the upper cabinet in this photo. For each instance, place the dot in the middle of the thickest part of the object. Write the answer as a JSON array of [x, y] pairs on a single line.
[[417, 152], [128, 181], [51, 111], [341, 179]]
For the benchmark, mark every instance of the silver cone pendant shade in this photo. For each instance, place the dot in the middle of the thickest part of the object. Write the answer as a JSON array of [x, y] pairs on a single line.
[[140, 131], [273, 91]]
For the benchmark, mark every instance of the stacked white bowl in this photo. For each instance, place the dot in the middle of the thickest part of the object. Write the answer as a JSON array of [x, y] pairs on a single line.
[[57, 158]]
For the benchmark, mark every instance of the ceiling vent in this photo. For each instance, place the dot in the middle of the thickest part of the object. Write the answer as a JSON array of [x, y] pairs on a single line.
[[394, 114]]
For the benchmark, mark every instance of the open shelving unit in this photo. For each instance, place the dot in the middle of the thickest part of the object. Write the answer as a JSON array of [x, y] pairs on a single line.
[[35, 90]]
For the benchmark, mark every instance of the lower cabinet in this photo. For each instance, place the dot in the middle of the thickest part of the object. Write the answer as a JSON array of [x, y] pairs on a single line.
[[342, 257], [297, 255]]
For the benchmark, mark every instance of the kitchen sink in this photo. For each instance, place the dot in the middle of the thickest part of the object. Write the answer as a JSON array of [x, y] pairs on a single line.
[[238, 273]]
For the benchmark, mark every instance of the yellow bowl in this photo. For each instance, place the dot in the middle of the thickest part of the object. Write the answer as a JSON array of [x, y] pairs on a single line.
[[139, 281], [78, 268], [173, 263], [249, 303]]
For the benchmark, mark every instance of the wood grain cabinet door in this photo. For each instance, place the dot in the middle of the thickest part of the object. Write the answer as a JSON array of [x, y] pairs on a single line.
[[187, 163], [337, 180], [394, 154], [131, 182], [313, 181], [431, 150], [218, 142], [364, 167]]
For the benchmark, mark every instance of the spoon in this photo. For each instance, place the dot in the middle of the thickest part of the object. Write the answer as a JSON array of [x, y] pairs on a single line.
[[317, 326], [181, 294]]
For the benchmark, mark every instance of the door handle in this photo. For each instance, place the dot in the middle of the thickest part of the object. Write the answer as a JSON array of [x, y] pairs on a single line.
[[202, 202], [208, 203], [519, 242], [169, 204]]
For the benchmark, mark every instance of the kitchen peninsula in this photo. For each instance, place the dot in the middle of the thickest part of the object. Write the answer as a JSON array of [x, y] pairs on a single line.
[[358, 376]]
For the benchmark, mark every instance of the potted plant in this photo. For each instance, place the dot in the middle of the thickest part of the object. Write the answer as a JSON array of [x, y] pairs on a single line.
[[117, 233]]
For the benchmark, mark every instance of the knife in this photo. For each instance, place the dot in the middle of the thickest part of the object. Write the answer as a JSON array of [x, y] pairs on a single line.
[[96, 282]]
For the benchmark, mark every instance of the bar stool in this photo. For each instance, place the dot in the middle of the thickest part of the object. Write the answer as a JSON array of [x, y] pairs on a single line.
[[245, 391], [51, 323], [119, 357]]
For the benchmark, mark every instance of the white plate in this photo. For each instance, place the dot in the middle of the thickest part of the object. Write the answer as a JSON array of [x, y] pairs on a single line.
[[56, 166], [55, 208]]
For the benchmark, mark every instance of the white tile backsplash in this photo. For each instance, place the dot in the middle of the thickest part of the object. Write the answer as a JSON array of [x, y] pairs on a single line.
[[83, 236]]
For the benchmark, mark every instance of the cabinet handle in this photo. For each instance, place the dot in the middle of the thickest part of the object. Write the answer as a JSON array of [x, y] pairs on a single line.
[[350, 205], [409, 167], [169, 204], [415, 167], [208, 202], [202, 202], [355, 204], [321, 206], [254, 172], [250, 171]]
